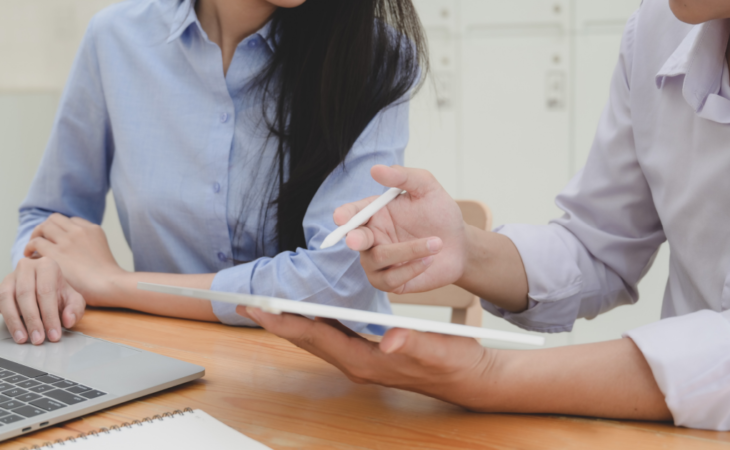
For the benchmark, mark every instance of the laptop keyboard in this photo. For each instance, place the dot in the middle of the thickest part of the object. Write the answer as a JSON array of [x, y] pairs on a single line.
[[27, 392]]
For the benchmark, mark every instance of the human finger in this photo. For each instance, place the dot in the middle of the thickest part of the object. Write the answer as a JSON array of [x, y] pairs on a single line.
[[316, 337], [347, 211], [431, 348], [417, 182], [48, 230], [387, 255], [73, 306], [25, 295], [9, 310], [396, 278], [60, 220], [360, 239], [334, 323], [39, 245], [48, 284], [287, 326], [393, 340], [274, 326]]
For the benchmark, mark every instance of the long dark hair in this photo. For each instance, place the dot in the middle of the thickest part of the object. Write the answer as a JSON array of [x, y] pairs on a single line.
[[336, 64]]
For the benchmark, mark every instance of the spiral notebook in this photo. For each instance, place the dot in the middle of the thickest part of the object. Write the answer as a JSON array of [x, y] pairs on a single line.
[[180, 430]]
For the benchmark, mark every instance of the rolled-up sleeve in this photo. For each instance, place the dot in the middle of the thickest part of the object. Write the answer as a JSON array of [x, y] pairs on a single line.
[[332, 276], [73, 176], [690, 359], [591, 259]]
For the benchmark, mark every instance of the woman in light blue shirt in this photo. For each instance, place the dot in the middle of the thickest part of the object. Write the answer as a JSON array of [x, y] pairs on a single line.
[[228, 131]]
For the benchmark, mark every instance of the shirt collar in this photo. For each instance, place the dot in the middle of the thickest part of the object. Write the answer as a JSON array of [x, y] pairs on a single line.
[[185, 16], [699, 58]]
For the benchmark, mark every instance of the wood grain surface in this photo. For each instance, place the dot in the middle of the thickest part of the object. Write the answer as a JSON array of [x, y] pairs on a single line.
[[286, 398]]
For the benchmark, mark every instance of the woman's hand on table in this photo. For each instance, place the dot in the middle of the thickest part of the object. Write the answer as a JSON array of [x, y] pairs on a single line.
[[81, 250], [36, 299], [449, 368], [415, 244], [68, 262]]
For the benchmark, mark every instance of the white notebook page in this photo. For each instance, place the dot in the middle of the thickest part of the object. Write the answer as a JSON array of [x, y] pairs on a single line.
[[194, 430]]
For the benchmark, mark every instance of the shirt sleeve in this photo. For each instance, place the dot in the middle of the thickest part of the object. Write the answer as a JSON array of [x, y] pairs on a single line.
[[690, 359], [591, 259], [73, 176], [332, 276]]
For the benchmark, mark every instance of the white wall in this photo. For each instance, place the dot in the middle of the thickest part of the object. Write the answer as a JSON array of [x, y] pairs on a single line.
[[38, 42], [507, 117]]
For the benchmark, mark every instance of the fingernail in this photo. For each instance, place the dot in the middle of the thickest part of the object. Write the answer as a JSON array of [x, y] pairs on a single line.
[[427, 261], [72, 318], [36, 337], [54, 335], [391, 345], [434, 245], [19, 336]]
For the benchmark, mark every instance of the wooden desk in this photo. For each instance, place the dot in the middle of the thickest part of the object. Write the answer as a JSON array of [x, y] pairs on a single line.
[[282, 396]]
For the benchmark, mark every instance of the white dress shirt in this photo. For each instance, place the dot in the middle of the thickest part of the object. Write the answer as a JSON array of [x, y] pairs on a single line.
[[659, 169]]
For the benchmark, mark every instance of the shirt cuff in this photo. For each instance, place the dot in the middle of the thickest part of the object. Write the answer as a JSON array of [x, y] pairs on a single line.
[[690, 359], [552, 273], [234, 279], [544, 317], [554, 279]]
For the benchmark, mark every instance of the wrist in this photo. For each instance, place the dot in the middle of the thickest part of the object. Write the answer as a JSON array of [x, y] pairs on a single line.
[[107, 288], [471, 259], [494, 270], [488, 385]]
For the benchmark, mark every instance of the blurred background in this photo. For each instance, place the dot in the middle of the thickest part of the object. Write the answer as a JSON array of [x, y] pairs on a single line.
[[507, 116]]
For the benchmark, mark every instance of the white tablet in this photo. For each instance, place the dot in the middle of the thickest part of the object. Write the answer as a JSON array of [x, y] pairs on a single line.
[[278, 306]]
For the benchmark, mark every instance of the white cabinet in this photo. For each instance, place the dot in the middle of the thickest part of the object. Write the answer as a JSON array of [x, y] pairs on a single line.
[[515, 123], [434, 139]]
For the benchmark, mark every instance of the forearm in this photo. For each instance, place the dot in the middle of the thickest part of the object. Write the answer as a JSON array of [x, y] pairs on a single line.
[[121, 292], [494, 270], [608, 379]]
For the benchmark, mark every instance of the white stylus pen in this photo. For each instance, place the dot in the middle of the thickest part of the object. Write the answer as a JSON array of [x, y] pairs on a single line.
[[361, 217]]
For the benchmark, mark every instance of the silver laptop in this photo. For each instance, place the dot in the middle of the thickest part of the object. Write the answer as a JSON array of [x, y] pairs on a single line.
[[54, 382]]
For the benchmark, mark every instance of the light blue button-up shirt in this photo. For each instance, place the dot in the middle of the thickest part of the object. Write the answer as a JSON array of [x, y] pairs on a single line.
[[148, 112]]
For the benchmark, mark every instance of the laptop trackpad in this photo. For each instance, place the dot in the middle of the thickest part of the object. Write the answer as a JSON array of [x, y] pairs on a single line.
[[75, 352]]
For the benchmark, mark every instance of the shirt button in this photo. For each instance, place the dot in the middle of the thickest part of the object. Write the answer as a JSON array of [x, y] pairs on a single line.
[[217, 188], [224, 117], [222, 257], [253, 43]]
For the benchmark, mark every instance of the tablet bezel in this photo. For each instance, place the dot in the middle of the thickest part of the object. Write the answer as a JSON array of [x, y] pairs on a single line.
[[277, 306]]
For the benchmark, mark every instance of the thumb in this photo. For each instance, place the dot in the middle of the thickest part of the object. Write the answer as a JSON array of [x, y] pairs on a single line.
[[417, 182], [394, 340], [425, 347], [74, 306]]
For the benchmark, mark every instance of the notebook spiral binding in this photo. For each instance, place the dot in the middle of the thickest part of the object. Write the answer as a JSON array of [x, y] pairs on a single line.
[[114, 428]]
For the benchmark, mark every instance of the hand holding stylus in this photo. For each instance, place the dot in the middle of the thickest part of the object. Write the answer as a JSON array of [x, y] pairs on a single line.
[[414, 244]]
